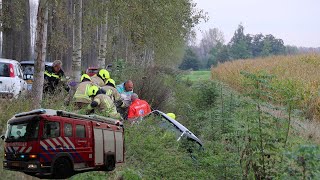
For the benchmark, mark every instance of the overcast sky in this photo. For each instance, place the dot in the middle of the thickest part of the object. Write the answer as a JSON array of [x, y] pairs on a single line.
[[296, 22]]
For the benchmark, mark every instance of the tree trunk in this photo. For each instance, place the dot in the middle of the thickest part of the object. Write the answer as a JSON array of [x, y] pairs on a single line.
[[103, 43], [103, 36], [41, 45], [33, 24], [77, 46]]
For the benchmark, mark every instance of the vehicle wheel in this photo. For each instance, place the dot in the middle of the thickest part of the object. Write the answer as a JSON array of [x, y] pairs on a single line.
[[110, 163], [62, 169], [30, 173]]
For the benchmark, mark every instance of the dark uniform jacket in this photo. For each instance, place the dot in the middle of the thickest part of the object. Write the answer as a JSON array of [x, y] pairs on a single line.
[[52, 79]]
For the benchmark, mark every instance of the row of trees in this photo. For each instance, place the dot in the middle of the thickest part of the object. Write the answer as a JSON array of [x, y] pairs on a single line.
[[213, 50], [97, 32], [136, 31]]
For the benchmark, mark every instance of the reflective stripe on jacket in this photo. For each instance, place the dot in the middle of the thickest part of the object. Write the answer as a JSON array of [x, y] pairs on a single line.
[[52, 79], [52, 75], [106, 106], [81, 94]]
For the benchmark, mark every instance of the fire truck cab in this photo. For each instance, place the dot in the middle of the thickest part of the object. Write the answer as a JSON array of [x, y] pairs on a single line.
[[58, 144]]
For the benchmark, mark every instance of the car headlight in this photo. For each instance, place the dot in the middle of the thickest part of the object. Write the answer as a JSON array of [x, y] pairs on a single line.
[[32, 166]]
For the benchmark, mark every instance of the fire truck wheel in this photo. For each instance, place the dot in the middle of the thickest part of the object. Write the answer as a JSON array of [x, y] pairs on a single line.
[[62, 168], [30, 173], [110, 163]]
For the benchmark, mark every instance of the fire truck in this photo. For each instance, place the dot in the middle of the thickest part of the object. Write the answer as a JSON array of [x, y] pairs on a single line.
[[58, 144]]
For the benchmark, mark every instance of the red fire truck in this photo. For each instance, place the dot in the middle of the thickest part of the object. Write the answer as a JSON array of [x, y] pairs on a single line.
[[58, 144]]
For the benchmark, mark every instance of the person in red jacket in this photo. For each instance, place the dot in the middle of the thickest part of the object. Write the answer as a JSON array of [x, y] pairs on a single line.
[[138, 108]]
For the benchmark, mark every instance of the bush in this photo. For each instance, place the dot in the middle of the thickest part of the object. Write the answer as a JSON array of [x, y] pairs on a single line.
[[150, 84], [207, 95]]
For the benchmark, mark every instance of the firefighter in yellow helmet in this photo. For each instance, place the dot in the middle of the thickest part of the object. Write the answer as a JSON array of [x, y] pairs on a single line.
[[171, 115], [102, 103], [101, 77], [111, 91], [81, 98]]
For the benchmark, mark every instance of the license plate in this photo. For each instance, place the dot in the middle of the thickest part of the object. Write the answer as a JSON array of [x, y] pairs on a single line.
[[15, 164]]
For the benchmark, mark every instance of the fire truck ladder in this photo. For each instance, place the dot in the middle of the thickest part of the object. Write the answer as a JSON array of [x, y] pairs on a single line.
[[89, 117], [71, 115]]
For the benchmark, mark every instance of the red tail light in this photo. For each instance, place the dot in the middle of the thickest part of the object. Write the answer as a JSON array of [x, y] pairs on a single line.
[[11, 70]]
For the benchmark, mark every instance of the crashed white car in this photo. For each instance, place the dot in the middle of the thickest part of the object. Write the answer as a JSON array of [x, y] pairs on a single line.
[[180, 130]]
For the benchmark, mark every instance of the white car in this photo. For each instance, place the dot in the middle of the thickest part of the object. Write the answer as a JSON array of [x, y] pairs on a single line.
[[173, 125], [11, 79]]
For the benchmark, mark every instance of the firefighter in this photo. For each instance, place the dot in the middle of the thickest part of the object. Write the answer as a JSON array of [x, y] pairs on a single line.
[[53, 76], [102, 102], [138, 108], [172, 115], [81, 98], [111, 91], [100, 78]]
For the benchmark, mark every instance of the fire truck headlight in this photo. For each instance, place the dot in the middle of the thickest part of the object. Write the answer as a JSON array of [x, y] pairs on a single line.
[[32, 166], [22, 156]]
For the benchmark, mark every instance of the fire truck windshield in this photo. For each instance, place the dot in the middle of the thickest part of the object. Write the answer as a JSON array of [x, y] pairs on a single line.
[[22, 131]]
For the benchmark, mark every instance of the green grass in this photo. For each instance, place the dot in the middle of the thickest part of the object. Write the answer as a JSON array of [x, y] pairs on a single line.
[[195, 76], [238, 139]]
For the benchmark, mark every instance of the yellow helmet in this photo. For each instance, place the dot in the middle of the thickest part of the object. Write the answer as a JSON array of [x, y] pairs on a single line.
[[85, 76], [172, 115], [111, 81], [93, 90], [104, 74]]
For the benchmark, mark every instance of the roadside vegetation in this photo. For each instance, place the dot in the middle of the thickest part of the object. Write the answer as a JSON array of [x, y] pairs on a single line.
[[240, 140]]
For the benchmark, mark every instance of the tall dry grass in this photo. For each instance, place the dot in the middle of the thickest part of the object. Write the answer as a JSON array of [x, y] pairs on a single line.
[[297, 73]]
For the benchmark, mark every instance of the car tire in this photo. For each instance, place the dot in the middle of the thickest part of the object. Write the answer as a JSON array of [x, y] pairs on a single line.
[[30, 173]]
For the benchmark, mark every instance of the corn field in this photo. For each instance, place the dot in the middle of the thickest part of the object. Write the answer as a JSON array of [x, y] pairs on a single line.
[[292, 77]]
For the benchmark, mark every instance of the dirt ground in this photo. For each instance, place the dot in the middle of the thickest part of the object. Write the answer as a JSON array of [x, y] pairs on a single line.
[[308, 129]]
